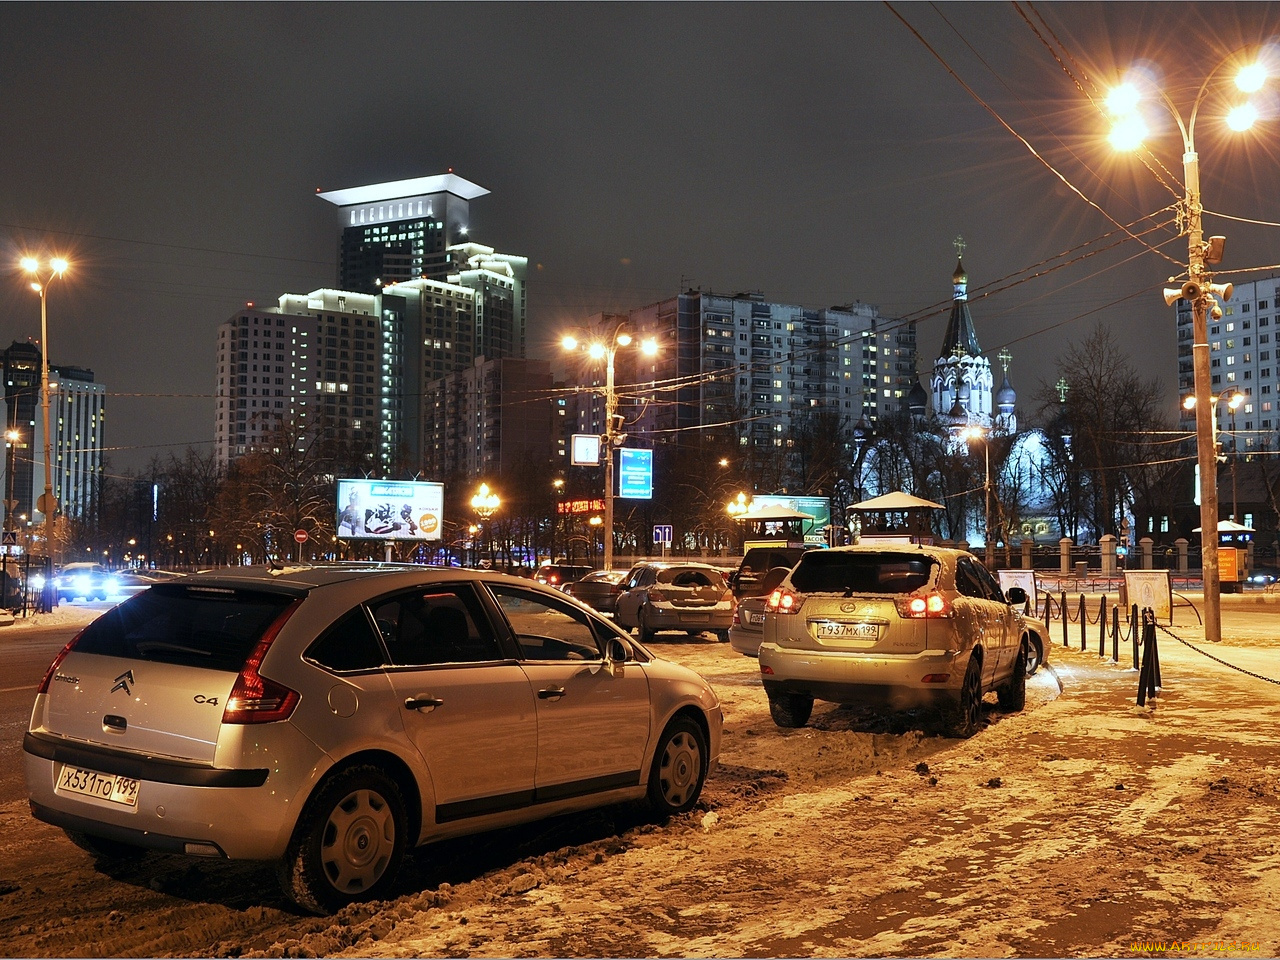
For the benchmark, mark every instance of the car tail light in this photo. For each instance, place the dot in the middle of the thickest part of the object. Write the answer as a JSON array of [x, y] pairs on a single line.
[[57, 662], [552, 578], [737, 620], [783, 601], [930, 606], [658, 596], [254, 698], [727, 596]]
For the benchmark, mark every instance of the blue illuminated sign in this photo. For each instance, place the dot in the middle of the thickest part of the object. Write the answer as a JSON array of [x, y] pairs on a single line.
[[635, 474]]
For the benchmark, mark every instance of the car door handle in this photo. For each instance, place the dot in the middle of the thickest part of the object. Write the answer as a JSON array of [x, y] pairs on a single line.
[[421, 703], [551, 693]]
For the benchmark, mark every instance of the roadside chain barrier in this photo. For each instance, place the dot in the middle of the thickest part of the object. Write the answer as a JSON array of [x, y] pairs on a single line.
[[1146, 657], [1205, 653]]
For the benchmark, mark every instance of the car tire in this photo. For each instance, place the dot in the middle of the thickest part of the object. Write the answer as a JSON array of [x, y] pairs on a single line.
[[104, 850], [722, 636], [789, 709], [646, 633], [965, 716], [1013, 694], [679, 768], [348, 843]]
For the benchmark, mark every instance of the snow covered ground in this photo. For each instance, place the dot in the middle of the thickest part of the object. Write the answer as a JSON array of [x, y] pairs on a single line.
[[1083, 826]]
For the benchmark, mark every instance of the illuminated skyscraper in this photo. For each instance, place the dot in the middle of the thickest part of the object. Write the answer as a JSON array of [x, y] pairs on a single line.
[[401, 230]]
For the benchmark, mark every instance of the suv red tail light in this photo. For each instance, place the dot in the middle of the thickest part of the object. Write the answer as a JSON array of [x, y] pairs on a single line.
[[930, 606], [783, 600], [254, 698]]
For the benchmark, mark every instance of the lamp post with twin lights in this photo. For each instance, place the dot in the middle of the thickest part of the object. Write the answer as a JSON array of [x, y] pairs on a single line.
[[970, 434], [606, 349], [42, 275], [1233, 400], [1128, 133]]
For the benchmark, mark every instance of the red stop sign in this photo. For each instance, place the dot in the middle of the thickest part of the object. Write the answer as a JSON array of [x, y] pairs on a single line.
[[300, 536]]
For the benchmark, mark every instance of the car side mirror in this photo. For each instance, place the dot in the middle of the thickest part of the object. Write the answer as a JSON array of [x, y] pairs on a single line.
[[615, 655], [1015, 596]]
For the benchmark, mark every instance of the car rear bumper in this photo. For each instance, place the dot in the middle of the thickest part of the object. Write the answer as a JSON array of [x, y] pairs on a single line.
[[241, 814], [745, 641], [673, 618], [851, 677]]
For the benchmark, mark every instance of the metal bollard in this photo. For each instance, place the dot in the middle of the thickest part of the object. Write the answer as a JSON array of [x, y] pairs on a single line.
[[1102, 627], [1133, 634], [1115, 634]]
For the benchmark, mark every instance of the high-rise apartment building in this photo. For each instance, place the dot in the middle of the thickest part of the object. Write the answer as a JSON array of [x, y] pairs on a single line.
[[314, 358], [747, 368], [77, 420], [494, 417], [401, 230], [1242, 357]]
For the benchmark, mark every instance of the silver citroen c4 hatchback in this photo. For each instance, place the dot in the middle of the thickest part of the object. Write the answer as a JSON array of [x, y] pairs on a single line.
[[329, 718]]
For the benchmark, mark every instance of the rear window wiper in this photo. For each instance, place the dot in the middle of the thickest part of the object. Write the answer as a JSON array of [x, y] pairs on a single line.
[[150, 646]]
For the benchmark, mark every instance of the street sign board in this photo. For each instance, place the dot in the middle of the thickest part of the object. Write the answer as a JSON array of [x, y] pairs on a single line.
[[635, 474], [10, 538], [300, 536], [662, 533], [584, 449]]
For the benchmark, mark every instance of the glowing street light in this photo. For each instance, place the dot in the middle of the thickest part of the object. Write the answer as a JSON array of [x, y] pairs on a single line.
[[485, 503], [606, 350], [1199, 290]]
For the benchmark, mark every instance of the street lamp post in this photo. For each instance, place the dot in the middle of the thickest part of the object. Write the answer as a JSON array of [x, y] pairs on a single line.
[[606, 350], [484, 503], [1233, 400], [976, 433], [10, 506], [43, 274], [1199, 290]]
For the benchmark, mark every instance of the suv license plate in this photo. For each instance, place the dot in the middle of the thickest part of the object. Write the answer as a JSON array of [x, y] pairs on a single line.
[[103, 786], [830, 630], [755, 619]]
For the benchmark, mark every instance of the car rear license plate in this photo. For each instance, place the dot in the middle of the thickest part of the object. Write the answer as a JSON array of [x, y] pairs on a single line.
[[830, 630], [755, 619], [103, 786], [696, 617]]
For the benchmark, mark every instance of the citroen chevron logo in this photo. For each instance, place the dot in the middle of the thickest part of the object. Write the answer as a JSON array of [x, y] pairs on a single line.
[[123, 682]]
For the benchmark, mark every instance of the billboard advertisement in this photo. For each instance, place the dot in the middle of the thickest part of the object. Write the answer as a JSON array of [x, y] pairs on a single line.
[[389, 510], [819, 508]]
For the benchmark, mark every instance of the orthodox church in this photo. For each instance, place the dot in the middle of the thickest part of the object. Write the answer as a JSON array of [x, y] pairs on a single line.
[[962, 397]]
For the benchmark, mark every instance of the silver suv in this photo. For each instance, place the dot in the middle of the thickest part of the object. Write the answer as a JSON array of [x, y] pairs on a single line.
[[895, 626], [330, 718]]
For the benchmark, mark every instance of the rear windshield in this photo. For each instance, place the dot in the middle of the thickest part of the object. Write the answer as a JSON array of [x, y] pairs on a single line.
[[690, 578], [829, 571], [217, 629]]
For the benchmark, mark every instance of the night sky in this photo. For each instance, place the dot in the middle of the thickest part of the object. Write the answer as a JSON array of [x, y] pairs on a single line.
[[819, 154]]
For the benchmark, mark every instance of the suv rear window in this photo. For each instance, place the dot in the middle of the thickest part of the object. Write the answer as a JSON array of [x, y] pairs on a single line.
[[830, 571], [193, 627]]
